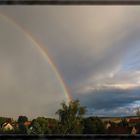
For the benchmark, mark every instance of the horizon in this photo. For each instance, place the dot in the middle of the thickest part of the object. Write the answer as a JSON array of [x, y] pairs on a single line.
[[85, 116]]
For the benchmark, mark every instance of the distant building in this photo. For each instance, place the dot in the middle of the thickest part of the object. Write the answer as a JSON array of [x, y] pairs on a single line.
[[27, 123], [118, 120], [134, 131], [108, 125], [133, 122], [7, 126]]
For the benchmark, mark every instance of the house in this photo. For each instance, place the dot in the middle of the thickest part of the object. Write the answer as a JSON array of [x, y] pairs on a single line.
[[7, 126], [134, 131], [134, 121], [108, 125], [116, 120], [27, 123]]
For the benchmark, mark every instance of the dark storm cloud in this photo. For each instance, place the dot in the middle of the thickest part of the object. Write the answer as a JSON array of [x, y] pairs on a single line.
[[106, 101]]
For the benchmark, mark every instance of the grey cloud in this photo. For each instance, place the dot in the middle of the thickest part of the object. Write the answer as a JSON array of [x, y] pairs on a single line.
[[85, 44], [80, 36], [109, 100], [27, 79]]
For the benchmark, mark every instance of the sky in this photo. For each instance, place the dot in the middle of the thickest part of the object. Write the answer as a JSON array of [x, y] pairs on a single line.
[[95, 49]]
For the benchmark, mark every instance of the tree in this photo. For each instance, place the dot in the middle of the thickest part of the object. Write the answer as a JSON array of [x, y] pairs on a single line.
[[138, 112], [35, 128], [42, 121], [52, 126], [42, 125], [2, 120], [93, 125], [70, 117], [22, 119], [22, 129], [123, 123]]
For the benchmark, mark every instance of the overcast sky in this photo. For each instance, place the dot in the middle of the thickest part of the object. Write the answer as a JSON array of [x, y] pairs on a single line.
[[95, 48]]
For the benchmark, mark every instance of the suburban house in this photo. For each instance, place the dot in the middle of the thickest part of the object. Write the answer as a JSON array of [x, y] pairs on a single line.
[[108, 125], [133, 122], [7, 126], [134, 131], [27, 123]]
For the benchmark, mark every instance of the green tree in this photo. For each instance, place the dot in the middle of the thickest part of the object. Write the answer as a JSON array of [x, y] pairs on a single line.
[[70, 117], [42, 125], [35, 128], [123, 123], [138, 112], [22, 129], [52, 126], [93, 125], [22, 119]]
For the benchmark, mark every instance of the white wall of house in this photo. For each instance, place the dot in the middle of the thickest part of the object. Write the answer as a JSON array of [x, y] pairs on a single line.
[[7, 127]]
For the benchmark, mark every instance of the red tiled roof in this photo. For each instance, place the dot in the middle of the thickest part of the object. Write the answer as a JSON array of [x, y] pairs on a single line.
[[27, 123], [134, 120]]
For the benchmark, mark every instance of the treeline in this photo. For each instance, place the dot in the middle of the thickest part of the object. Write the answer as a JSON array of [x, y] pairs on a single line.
[[71, 121]]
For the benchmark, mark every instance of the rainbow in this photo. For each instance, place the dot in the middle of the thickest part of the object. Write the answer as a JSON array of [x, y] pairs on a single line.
[[44, 53]]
